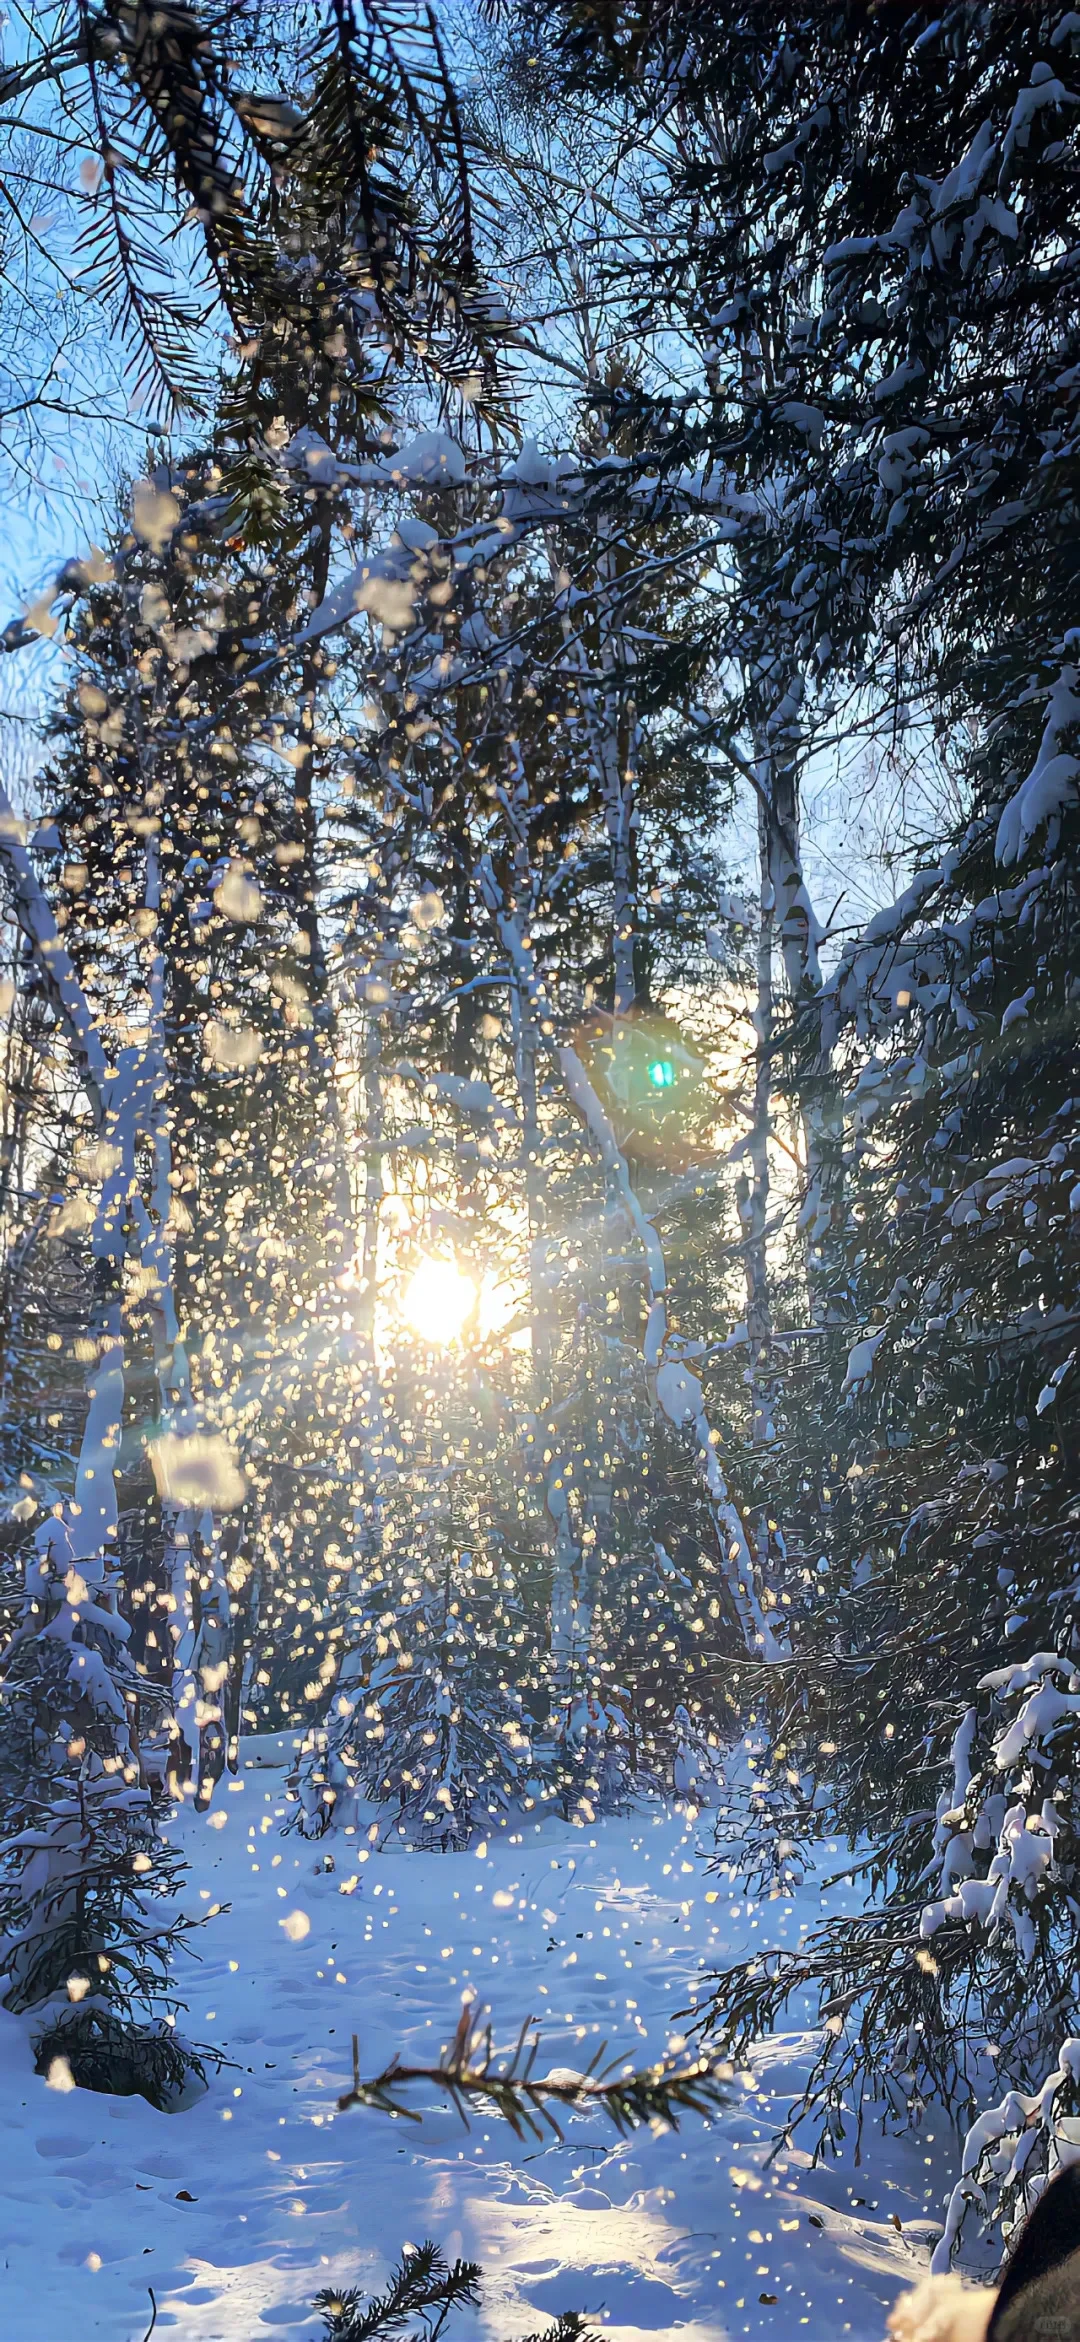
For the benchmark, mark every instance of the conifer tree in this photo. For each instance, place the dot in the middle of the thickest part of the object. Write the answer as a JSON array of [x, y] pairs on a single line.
[[908, 189], [86, 1880]]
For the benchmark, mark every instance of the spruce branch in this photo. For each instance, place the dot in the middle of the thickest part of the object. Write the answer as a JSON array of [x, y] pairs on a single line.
[[421, 2295], [423, 2287], [474, 2082]]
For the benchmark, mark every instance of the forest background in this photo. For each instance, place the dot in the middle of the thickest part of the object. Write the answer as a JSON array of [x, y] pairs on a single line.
[[539, 1172]]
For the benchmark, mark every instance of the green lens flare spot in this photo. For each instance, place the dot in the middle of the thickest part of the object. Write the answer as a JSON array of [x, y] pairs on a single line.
[[662, 1073]]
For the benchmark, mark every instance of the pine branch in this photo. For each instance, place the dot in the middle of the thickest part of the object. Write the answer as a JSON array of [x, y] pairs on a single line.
[[422, 2286], [571, 2327], [469, 2077]]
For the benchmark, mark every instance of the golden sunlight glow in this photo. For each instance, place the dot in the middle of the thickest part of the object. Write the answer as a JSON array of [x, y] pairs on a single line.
[[499, 1302], [438, 1301]]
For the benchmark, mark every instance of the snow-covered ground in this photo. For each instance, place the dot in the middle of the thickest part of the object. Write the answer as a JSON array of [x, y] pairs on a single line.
[[238, 2211]]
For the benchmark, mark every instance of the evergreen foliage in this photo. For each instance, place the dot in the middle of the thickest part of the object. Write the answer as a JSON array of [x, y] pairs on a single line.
[[86, 1881], [476, 2080], [426, 2289], [881, 252]]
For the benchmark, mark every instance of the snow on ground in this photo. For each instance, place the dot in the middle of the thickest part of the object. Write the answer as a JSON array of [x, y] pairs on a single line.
[[238, 2211]]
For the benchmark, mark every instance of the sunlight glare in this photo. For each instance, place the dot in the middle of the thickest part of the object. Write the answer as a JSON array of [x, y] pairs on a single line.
[[438, 1301]]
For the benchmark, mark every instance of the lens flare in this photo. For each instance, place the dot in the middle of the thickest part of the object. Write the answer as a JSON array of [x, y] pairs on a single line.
[[438, 1301]]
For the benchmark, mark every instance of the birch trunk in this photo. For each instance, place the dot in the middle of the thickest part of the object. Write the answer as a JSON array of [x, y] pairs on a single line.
[[818, 1106], [753, 1187], [170, 1355]]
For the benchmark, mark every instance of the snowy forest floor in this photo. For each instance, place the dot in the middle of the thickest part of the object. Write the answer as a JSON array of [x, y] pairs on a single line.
[[238, 2211]]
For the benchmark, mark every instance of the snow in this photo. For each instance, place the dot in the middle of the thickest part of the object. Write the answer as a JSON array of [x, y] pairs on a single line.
[[1040, 1715], [237, 896], [95, 1513], [431, 457], [809, 420], [310, 455], [678, 1391], [233, 1047], [732, 909], [1044, 90], [385, 585], [154, 514], [238, 2210], [1051, 784], [38, 925], [471, 1097], [530, 467], [860, 1365], [1026, 2123], [198, 1470], [903, 378], [1017, 1009]]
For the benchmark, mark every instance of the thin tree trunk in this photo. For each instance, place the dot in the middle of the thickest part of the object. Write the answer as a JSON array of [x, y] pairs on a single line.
[[754, 1185], [799, 935], [170, 1356]]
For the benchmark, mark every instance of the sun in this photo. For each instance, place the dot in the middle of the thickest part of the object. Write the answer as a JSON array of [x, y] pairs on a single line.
[[438, 1301]]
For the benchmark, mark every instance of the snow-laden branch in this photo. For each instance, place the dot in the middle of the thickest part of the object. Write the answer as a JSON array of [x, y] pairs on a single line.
[[1052, 783], [886, 961], [95, 1511], [581, 1092], [1011, 2151], [54, 961]]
